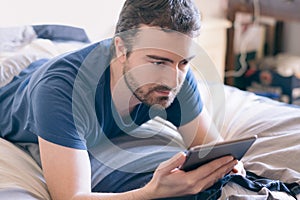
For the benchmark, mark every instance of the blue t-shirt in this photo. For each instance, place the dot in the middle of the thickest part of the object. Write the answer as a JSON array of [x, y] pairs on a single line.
[[67, 101]]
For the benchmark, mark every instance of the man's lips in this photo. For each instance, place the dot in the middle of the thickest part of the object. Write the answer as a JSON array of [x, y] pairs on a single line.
[[163, 92]]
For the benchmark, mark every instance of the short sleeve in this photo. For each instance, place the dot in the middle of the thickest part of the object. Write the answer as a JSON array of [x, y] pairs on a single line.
[[52, 117]]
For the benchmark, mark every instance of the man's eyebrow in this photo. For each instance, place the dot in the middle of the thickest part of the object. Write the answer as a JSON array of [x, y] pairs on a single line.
[[167, 59], [160, 58]]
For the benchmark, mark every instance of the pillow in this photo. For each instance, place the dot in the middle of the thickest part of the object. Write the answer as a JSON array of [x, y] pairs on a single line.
[[12, 38], [13, 65], [61, 33]]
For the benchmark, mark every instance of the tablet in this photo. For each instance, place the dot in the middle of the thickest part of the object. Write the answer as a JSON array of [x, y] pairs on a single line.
[[203, 154]]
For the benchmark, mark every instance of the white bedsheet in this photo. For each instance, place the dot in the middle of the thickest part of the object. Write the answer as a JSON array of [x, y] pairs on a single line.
[[20, 176], [13, 62], [276, 153]]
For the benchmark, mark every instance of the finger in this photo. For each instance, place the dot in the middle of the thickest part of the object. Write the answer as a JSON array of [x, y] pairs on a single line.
[[218, 174], [222, 171], [239, 169], [168, 165], [235, 170], [205, 170]]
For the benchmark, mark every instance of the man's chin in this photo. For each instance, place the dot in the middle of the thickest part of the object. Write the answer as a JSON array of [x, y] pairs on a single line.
[[160, 104], [159, 101]]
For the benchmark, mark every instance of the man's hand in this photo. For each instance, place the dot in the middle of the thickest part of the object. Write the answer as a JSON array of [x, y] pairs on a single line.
[[169, 181]]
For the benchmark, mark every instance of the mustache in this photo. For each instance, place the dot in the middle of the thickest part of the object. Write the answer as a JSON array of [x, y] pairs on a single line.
[[162, 88]]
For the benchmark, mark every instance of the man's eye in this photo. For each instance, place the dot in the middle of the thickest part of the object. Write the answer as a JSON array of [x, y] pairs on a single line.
[[184, 62], [158, 63]]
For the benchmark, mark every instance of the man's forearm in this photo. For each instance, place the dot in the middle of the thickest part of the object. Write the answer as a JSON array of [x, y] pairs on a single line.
[[138, 194]]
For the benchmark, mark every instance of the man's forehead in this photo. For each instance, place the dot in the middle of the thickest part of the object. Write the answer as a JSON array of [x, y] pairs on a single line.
[[171, 41]]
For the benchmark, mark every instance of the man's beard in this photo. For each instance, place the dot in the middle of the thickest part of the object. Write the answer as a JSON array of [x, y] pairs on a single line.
[[147, 94]]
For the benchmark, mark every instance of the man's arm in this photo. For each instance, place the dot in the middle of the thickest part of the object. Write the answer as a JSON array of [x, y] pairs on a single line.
[[67, 173], [201, 130]]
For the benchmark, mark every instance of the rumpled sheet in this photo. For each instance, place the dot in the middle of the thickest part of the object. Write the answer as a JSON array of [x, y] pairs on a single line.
[[21, 45], [12, 38], [20, 176], [13, 62], [276, 153]]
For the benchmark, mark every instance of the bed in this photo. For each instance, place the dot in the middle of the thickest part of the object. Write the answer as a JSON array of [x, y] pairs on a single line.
[[275, 154]]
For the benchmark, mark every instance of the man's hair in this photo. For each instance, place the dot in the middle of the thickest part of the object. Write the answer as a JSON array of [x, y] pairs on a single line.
[[176, 15]]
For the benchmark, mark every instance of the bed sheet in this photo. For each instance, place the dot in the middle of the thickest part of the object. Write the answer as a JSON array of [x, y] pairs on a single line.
[[20, 176], [20, 46], [276, 153], [277, 125]]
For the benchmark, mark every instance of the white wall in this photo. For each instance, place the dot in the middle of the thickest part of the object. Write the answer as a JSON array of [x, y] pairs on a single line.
[[212, 8], [99, 17], [96, 16]]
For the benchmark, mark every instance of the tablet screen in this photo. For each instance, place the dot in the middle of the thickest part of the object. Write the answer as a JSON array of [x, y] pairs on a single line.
[[203, 154]]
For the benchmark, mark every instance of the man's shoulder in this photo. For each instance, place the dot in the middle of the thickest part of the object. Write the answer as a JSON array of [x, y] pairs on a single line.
[[88, 52], [86, 61]]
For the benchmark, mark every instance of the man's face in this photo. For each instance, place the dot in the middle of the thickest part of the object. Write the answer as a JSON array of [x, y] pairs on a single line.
[[156, 67], [155, 76]]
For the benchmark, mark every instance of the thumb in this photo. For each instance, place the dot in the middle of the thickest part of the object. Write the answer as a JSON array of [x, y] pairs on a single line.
[[174, 162]]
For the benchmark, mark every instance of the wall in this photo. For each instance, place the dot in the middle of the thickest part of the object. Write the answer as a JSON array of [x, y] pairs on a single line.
[[212, 8], [98, 19]]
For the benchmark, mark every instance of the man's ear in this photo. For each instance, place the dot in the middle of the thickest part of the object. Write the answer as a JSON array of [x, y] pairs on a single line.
[[120, 49]]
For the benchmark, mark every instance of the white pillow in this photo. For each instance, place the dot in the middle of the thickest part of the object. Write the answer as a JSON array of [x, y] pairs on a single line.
[[13, 65], [12, 38]]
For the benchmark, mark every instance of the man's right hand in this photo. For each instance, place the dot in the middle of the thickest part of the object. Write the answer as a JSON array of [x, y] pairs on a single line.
[[169, 181]]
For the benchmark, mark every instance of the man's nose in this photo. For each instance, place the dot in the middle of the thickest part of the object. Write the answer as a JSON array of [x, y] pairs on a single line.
[[170, 76]]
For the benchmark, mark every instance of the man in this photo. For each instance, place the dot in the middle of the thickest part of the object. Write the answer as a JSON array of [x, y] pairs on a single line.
[[75, 105]]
